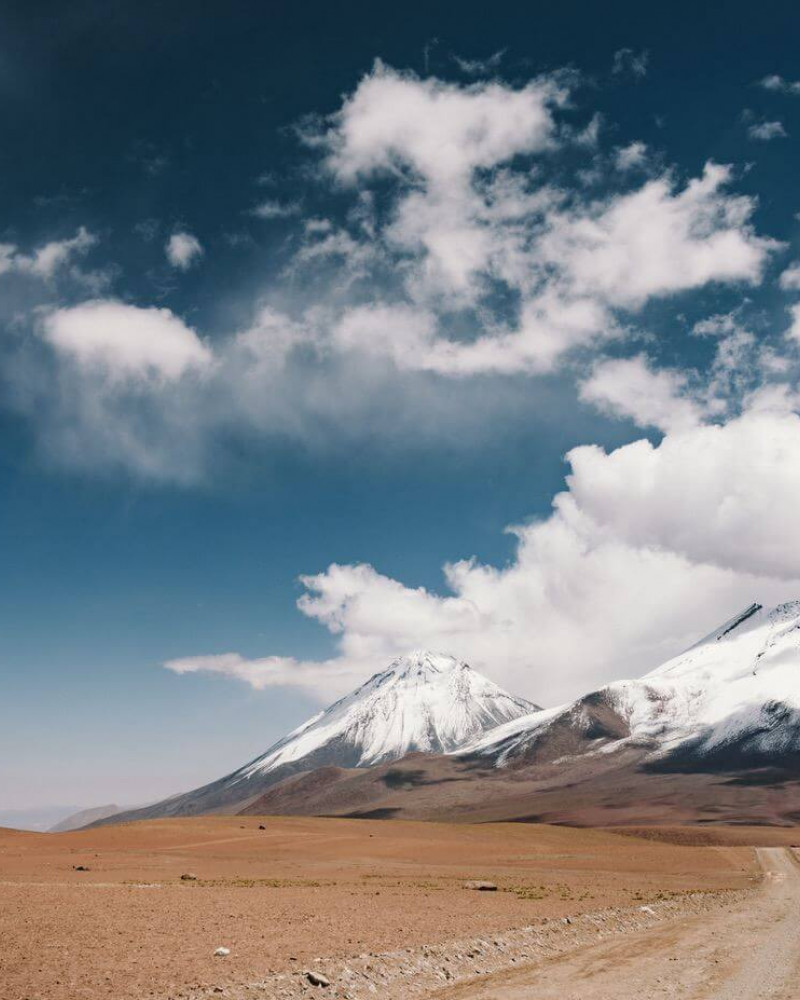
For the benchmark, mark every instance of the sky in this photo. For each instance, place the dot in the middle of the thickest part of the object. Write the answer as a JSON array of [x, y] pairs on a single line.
[[327, 333]]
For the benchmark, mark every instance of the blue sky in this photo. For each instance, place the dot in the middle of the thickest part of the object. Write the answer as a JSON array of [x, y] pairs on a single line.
[[270, 305]]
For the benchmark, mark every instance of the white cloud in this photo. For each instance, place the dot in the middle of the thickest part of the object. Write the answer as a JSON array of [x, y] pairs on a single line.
[[441, 132], [743, 369], [270, 209], [646, 550], [46, 261], [766, 131], [573, 269], [467, 251], [548, 327], [272, 671], [780, 84], [631, 157], [793, 333], [629, 387], [119, 389], [183, 250], [125, 342], [723, 495], [790, 278], [657, 241], [443, 146]]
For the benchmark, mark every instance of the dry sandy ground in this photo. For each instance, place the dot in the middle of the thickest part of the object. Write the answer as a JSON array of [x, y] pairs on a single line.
[[304, 889], [747, 952]]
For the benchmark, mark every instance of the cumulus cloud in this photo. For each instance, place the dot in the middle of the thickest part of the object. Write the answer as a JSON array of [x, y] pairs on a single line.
[[443, 146], [723, 495], [124, 341], [118, 388], [465, 224], [766, 131], [183, 250], [467, 251], [657, 241], [629, 387], [572, 266], [647, 547], [440, 131]]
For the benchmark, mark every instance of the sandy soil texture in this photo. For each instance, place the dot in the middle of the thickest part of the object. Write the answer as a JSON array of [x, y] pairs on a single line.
[[303, 891], [748, 951]]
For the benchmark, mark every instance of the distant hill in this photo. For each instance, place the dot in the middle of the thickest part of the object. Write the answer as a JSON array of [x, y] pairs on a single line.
[[38, 818], [84, 818]]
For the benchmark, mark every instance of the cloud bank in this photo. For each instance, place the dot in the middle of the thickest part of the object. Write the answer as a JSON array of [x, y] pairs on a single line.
[[647, 548]]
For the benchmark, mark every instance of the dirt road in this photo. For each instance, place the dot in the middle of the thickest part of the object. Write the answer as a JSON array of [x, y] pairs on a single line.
[[751, 952]]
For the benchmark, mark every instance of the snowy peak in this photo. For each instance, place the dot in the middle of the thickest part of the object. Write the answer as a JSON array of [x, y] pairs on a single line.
[[424, 701], [748, 644], [420, 665], [730, 626], [731, 699], [427, 702]]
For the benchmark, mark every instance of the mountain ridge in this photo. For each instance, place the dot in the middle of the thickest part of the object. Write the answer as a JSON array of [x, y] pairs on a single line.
[[710, 735], [712, 732]]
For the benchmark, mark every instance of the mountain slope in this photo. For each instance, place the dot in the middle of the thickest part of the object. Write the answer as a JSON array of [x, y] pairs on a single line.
[[423, 702], [711, 736], [732, 699]]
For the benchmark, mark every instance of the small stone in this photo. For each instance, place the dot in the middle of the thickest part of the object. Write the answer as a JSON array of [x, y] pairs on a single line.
[[317, 979], [188, 877], [567, 920], [222, 952], [261, 826], [481, 886], [81, 868]]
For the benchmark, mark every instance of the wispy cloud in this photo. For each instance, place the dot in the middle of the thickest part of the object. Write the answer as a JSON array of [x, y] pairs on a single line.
[[766, 131], [480, 67], [630, 61], [270, 208]]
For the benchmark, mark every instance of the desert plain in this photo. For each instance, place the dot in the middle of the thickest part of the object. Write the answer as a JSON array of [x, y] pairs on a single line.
[[377, 908]]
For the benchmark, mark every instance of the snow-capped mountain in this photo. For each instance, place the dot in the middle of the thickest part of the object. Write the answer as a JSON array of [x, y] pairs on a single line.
[[732, 699], [423, 702], [711, 736]]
